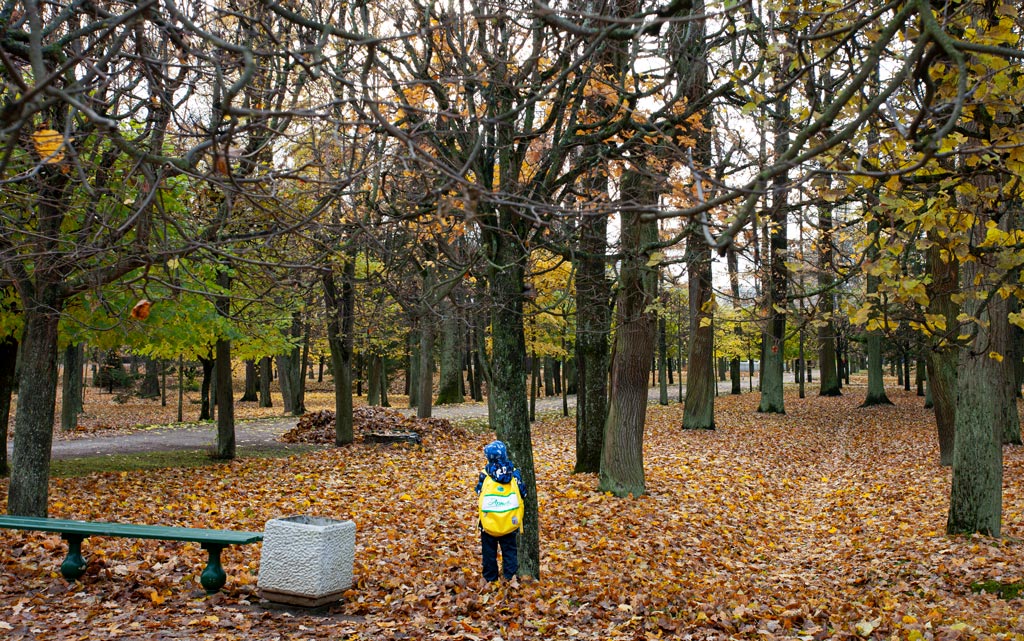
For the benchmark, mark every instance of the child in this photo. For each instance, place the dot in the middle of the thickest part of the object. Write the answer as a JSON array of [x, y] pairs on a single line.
[[501, 512]]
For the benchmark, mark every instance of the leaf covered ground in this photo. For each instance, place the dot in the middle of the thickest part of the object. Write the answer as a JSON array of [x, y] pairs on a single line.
[[823, 523]]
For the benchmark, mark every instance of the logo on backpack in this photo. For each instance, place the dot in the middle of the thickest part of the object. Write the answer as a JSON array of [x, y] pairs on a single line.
[[501, 507]]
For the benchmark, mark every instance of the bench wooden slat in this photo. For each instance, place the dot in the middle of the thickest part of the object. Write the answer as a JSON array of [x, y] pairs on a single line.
[[73, 567], [161, 532]]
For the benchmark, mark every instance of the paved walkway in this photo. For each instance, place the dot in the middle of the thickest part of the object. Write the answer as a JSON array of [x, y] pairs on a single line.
[[265, 432]]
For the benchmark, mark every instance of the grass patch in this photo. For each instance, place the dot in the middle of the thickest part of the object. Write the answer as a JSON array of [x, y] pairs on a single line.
[[1005, 591], [68, 468]]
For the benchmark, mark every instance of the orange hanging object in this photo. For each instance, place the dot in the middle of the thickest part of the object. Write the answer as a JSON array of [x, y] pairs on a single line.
[[141, 310]]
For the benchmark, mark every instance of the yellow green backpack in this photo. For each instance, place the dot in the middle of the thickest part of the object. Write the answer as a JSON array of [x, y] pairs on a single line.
[[501, 507]]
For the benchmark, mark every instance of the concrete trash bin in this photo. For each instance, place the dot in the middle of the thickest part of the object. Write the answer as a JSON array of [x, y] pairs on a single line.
[[306, 560]]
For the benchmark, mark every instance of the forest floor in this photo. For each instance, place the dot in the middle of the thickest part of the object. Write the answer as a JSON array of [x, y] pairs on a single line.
[[826, 522]]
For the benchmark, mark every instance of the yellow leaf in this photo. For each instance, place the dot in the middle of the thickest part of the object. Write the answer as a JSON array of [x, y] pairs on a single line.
[[996, 356], [406, 497], [49, 144]]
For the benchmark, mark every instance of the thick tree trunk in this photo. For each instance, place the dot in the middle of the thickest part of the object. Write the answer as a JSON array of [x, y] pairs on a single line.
[[383, 371], [150, 387], [373, 380], [622, 464], [942, 353], [772, 400], [590, 376], [506, 383], [250, 392], [450, 386], [8, 365], [975, 501], [266, 374], [71, 393], [534, 376], [205, 409], [289, 367], [425, 396], [699, 408], [340, 323], [412, 374], [37, 398], [225, 401]]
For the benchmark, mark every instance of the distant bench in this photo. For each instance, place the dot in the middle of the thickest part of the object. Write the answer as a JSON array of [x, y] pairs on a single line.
[[73, 567]]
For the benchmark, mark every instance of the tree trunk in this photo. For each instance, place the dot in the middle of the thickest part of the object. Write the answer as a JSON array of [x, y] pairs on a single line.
[[251, 391], [225, 401], [506, 384], [919, 375], [534, 376], [662, 361], [266, 374], [289, 367], [425, 396], [37, 397], [71, 394], [340, 324], [412, 376], [772, 400], [150, 387], [450, 387], [622, 465], [589, 378], [699, 408], [8, 365], [384, 382], [975, 501], [374, 380], [205, 411], [941, 358], [181, 388]]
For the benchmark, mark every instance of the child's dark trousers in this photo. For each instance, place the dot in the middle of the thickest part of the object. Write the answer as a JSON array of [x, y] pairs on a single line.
[[509, 555]]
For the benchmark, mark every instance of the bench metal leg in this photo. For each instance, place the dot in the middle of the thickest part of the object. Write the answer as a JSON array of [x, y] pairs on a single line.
[[74, 563], [213, 577]]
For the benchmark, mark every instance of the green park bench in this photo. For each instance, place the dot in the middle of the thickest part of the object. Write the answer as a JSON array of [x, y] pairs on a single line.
[[213, 541]]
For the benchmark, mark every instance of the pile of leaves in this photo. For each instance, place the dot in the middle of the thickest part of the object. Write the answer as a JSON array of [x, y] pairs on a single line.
[[824, 523], [318, 427]]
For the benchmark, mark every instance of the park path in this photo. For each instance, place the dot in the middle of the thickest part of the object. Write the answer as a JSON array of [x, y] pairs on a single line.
[[265, 432]]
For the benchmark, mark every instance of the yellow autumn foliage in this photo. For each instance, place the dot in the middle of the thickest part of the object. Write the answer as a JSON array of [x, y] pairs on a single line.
[[49, 144]]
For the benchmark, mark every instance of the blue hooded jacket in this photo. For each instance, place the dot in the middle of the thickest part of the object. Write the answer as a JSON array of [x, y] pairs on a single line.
[[499, 467]]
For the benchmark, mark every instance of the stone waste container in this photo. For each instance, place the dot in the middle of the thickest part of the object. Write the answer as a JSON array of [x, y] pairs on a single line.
[[306, 560]]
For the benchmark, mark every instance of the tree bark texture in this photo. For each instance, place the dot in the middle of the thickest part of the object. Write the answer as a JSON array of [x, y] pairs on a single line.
[[699, 408], [450, 386], [251, 391], [507, 384], [71, 392], [413, 373], [266, 374], [772, 399], [425, 396], [205, 411], [975, 500], [340, 323], [8, 365], [622, 465], [593, 321], [941, 357], [150, 387], [37, 397]]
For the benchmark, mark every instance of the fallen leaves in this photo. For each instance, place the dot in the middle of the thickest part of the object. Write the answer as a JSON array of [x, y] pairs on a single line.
[[318, 426], [825, 523]]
